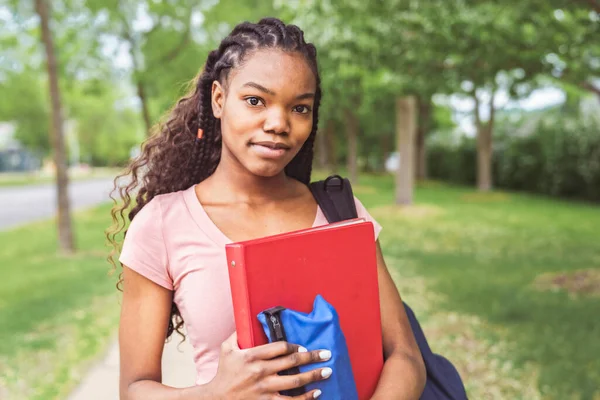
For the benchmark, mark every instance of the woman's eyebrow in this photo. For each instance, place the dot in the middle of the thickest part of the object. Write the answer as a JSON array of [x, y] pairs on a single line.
[[306, 96], [272, 93], [259, 87]]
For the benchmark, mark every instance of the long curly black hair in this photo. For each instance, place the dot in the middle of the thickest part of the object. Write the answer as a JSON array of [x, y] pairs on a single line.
[[171, 158]]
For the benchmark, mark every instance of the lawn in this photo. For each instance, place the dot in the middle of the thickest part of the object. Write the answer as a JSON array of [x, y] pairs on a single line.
[[506, 285], [56, 312]]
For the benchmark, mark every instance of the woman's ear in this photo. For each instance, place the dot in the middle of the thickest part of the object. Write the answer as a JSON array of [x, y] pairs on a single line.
[[217, 99]]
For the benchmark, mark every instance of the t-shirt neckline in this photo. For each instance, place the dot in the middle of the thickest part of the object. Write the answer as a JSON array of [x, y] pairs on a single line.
[[206, 224]]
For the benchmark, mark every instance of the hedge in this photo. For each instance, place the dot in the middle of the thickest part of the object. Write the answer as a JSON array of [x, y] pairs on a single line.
[[559, 157]]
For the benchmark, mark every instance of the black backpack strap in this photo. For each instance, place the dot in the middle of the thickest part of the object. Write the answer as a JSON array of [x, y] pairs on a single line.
[[335, 197]]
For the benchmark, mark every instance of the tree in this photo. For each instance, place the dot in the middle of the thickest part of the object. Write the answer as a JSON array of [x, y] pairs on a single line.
[[164, 37], [81, 62], [424, 123], [406, 130], [65, 231], [497, 48], [343, 40], [577, 59], [24, 103]]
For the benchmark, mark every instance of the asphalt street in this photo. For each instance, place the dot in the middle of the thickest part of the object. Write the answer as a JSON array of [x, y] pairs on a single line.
[[22, 204]]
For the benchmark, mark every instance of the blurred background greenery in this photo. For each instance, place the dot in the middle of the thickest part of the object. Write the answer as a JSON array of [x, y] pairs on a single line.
[[482, 118]]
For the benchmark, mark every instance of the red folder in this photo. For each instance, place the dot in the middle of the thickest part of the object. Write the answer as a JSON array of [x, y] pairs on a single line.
[[339, 262]]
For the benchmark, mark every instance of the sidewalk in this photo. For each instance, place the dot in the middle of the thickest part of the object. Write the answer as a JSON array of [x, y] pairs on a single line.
[[102, 380]]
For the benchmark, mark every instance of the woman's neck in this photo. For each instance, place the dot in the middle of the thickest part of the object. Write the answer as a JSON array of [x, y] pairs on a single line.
[[240, 186]]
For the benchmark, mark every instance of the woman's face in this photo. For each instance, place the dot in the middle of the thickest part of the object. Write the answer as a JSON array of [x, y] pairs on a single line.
[[266, 110]]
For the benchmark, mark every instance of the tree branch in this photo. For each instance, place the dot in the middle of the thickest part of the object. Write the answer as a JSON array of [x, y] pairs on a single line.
[[492, 107], [183, 42], [595, 4], [591, 88]]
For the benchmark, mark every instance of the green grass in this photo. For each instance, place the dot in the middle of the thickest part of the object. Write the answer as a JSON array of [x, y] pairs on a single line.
[[479, 257], [56, 312]]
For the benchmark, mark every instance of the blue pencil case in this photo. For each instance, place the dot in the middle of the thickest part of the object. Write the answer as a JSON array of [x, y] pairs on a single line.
[[319, 330]]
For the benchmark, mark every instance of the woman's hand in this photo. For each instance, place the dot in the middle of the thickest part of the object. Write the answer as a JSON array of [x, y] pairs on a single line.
[[251, 374]]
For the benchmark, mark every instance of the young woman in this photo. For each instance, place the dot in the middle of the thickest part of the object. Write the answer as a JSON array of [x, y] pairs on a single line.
[[231, 163]]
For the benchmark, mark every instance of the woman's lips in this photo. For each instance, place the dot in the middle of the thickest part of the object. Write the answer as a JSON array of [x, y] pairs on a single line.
[[269, 149]]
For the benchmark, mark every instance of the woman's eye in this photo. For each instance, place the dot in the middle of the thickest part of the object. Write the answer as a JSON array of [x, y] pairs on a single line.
[[253, 101], [302, 109]]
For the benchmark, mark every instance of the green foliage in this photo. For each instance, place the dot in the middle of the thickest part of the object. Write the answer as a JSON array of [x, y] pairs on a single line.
[[558, 156], [25, 103], [455, 163], [369, 53], [107, 129]]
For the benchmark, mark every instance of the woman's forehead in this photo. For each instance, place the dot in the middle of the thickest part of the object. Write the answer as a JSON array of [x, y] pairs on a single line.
[[273, 69]]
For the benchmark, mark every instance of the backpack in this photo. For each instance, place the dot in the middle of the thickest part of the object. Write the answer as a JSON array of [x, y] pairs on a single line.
[[336, 199]]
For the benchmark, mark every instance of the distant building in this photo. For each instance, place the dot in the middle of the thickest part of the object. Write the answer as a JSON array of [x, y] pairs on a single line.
[[13, 156]]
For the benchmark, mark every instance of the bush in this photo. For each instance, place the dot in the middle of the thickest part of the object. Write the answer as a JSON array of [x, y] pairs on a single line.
[[560, 157], [453, 163]]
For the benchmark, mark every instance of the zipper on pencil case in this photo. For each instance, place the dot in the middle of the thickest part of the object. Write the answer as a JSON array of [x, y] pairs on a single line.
[[277, 333], [274, 322]]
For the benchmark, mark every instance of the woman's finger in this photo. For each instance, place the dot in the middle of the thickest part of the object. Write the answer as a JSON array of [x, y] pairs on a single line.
[[295, 360], [271, 350], [279, 383], [313, 394]]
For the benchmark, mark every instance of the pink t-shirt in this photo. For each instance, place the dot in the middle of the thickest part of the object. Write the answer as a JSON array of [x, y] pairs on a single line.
[[173, 242]]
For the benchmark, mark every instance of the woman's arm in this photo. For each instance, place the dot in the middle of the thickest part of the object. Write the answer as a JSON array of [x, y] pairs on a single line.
[[145, 316], [403, 375], [242, 374]]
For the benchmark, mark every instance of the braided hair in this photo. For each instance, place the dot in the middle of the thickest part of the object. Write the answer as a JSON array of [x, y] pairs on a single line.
[[173, 159]]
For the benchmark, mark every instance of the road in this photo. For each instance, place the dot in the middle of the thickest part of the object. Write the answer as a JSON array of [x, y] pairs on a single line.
[[23, 204]]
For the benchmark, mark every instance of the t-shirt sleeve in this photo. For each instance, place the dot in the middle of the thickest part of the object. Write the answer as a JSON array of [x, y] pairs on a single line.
[[363, 213], [144, 249]]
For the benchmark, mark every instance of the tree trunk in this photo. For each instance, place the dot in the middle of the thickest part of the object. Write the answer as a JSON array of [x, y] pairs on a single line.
[[422, 131], [352, 127], [484, 144], [323, 160], [141, 92], [65, 233], [320, 151], [385, 149], [406, 111], [484, 157], [331, 153]]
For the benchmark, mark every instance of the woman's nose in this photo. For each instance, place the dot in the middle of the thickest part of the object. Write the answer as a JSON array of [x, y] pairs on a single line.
[[276, 122]]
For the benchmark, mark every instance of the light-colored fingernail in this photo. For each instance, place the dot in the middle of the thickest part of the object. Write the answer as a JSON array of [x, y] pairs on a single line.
[[326, 372], [302, 349], [316, 394], [324, 354]]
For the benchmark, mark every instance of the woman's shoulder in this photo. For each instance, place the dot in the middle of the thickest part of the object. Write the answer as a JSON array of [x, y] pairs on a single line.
[[162, 210], [363, 212], [165, 202]]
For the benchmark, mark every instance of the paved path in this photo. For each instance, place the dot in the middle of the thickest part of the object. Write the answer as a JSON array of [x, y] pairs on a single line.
[[102, 380], [22, 204]]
